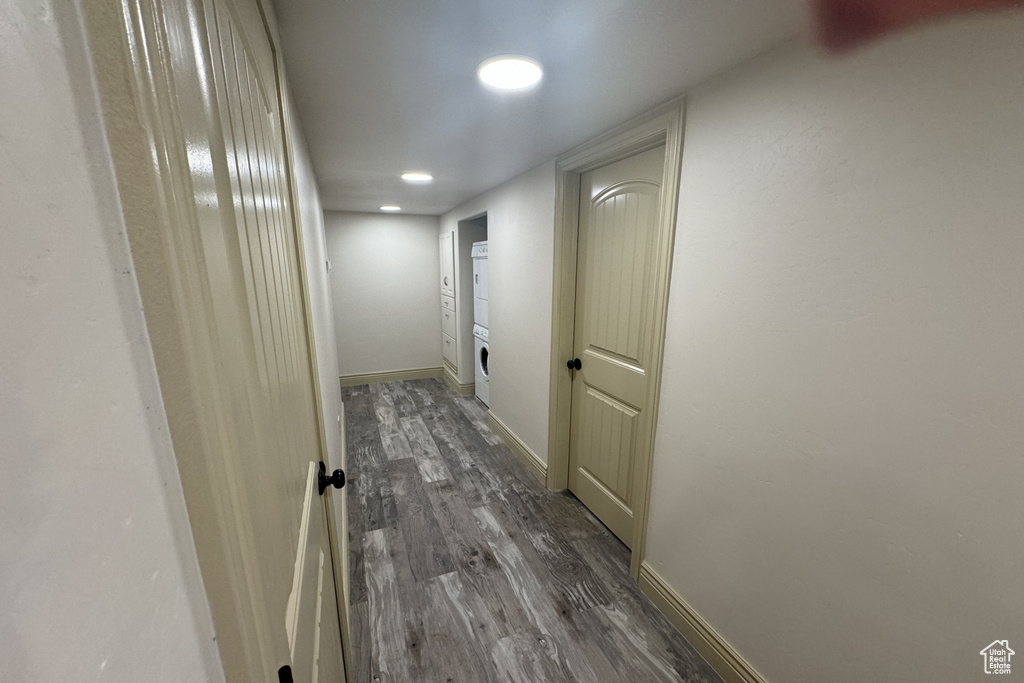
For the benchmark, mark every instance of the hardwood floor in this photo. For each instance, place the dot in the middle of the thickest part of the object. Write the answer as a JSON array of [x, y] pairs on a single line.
[[464, 568]]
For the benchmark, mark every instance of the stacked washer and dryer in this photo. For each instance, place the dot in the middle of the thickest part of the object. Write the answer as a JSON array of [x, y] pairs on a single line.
[[480, 334]]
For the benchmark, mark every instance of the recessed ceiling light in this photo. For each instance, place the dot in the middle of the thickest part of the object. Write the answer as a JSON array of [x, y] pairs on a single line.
[[417, 177], [390, 209], [510, 72]]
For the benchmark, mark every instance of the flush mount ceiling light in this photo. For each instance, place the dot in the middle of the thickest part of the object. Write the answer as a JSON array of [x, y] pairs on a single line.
[[390, 209], [417, 177], [510, 72]]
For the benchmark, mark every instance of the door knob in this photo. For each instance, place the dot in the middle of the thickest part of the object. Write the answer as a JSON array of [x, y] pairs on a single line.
[[337, 478], [574, 364]]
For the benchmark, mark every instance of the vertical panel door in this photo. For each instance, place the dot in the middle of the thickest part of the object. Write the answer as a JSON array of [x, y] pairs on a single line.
[[447, 265], [618, 216], [193, 105], [290, 542]]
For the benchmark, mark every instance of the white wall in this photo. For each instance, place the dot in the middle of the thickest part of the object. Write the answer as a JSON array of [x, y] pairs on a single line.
[[838, 477], [384, 282], [99, 578], [520, 234]]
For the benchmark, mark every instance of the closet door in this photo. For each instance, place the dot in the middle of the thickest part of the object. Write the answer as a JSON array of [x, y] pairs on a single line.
[[619, 208], [194, 117]]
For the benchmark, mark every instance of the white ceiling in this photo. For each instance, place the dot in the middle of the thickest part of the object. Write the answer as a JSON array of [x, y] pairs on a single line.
[[386, 86]]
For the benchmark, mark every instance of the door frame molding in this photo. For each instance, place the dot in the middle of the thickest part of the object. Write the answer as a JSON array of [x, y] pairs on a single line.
[[662, 125]]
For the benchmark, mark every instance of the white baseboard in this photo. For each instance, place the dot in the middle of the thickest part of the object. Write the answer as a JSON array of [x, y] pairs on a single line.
[[392, 376], [467, 389], [516, 445], [718, 653]]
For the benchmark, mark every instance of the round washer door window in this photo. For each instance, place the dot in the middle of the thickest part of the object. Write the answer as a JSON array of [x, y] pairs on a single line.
[[483, 360]]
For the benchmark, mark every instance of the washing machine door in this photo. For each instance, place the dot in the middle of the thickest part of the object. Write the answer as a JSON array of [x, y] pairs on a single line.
[[481, 360]]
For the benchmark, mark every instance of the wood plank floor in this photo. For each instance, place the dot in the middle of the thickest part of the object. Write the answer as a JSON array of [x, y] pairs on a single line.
[[464, 568]]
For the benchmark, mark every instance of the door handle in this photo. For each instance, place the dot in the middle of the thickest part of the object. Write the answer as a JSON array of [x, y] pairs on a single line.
[[574, 364], [337, 478]]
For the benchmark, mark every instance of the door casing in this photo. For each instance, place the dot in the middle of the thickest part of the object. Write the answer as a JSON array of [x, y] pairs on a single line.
[[663, 125]]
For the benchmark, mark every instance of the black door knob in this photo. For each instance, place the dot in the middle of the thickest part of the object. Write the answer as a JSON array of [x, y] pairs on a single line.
[[574, 364], [337, 478]]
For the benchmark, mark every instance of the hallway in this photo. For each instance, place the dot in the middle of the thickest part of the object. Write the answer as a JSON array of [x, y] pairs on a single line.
[[464, 568]]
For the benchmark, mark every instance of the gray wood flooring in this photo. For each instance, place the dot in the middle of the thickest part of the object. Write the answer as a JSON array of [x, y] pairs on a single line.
[[464, 568]]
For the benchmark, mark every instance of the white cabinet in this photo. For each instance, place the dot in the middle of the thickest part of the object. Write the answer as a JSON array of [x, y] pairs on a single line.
[[448, 350], [447, 265], [448, 322], [448, 344]]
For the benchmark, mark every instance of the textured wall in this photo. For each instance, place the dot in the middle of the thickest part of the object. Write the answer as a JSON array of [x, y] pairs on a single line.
[[520, 234], [384, 283], [838, 476]]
